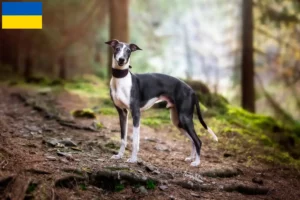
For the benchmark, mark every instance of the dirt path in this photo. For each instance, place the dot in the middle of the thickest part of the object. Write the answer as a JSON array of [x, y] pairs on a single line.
[[43, 159]]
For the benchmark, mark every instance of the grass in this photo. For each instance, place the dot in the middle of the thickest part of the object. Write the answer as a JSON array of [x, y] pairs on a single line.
[[150, 185]]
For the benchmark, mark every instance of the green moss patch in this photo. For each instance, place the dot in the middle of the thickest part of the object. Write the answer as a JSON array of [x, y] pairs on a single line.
[[85, 113]]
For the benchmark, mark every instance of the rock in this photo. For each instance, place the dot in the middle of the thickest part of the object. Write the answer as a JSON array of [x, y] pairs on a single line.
[[63, 160], [167, 175], [195, 195], [51, 158], [171, 197], [150, 168], [64, 154], [68, 142], [151, 139], [143, 190], [156, 172], [97, 125], [194, 177], [161, 147], [258, 181], [52, 142], [33, 128], [76, 149], [163, 187]]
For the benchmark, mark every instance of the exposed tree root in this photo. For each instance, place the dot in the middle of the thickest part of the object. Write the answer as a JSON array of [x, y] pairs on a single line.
[[69, 181], [249, 190], [17, 189], [4, 182], [108, 180], [221, 173], [194, 186], [51, 112]]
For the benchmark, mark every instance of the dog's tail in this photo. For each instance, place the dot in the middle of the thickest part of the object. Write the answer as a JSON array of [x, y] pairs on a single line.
[[201, 119]]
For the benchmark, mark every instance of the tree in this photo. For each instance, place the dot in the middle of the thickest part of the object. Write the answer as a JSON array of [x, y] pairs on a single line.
[[247, 68], [119, 28]]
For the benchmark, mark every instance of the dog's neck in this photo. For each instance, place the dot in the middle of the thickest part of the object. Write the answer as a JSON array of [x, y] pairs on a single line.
[[120, 71]]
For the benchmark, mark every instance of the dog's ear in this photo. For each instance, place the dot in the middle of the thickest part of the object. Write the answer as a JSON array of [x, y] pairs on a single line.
[[134, 47], [113, 43]]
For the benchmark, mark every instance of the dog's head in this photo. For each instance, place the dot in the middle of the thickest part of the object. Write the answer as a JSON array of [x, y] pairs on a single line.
[[122, 51]]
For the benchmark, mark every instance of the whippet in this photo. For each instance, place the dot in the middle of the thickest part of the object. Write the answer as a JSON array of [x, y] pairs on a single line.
[[137, 92]]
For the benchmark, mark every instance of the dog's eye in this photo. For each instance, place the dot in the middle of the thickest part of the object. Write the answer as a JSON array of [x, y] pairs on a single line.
[[128, 51], [118, 49]]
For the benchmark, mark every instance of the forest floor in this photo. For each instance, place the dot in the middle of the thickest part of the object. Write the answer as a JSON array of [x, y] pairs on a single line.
[[47, 154]]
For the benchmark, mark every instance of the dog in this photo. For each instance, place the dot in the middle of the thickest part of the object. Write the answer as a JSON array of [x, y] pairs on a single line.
[[138, 92]]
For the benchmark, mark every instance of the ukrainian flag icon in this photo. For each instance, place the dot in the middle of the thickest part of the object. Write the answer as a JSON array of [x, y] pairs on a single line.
[[22, 15]]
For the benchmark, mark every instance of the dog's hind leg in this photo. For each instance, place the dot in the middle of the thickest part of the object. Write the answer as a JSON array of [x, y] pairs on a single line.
[[187, 124], [193, 151], [123, 117], [175, 121]]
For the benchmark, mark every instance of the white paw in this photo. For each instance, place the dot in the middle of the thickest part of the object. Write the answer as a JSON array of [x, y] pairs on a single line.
[[116, 157], [195, 163], [188, 159], [132, 160]]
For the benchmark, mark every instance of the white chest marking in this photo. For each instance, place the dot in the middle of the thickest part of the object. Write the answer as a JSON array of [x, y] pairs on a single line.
[[120, 91]]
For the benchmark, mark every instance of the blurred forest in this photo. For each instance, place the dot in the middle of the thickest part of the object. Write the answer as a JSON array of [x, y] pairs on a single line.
[[196, 39], [59, 127]]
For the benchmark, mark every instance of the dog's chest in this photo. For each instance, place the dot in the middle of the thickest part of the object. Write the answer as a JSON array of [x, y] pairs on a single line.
[[120, 91]]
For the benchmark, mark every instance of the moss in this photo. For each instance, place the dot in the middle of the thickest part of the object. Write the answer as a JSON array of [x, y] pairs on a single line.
[[266, 140], [108, 111], [84, 113], [280, 158], [98, 125], [112, 145], [156, 118], [152, 122], [241, 117], [88, 85]]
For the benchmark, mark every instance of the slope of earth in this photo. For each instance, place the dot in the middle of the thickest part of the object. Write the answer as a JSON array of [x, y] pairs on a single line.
[[47, 154]]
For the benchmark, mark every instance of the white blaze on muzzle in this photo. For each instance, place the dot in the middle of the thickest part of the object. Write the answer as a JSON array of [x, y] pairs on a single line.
[[121, 54]]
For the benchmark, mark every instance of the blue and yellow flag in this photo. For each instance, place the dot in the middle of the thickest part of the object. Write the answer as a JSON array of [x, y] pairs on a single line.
[[22, 15]]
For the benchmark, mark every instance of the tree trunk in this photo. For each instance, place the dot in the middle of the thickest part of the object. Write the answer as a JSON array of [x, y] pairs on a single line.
[[119, 26], [62, 74], [28, 68], [247, 76]]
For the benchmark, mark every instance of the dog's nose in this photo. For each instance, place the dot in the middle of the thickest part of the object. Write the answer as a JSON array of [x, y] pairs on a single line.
[[121, 60]]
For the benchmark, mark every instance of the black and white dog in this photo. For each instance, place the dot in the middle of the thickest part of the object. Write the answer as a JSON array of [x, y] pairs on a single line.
[[137, 92]]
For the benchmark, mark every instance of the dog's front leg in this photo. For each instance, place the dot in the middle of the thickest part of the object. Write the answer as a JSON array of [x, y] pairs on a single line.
[[135, 112], [123, 117]]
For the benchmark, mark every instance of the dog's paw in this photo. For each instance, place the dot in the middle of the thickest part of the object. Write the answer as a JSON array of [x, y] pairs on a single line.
[[132, 160], [195, 163], [116, 157], [188, 159]]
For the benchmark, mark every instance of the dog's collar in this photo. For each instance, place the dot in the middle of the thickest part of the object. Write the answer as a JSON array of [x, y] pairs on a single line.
[[119, 73]]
